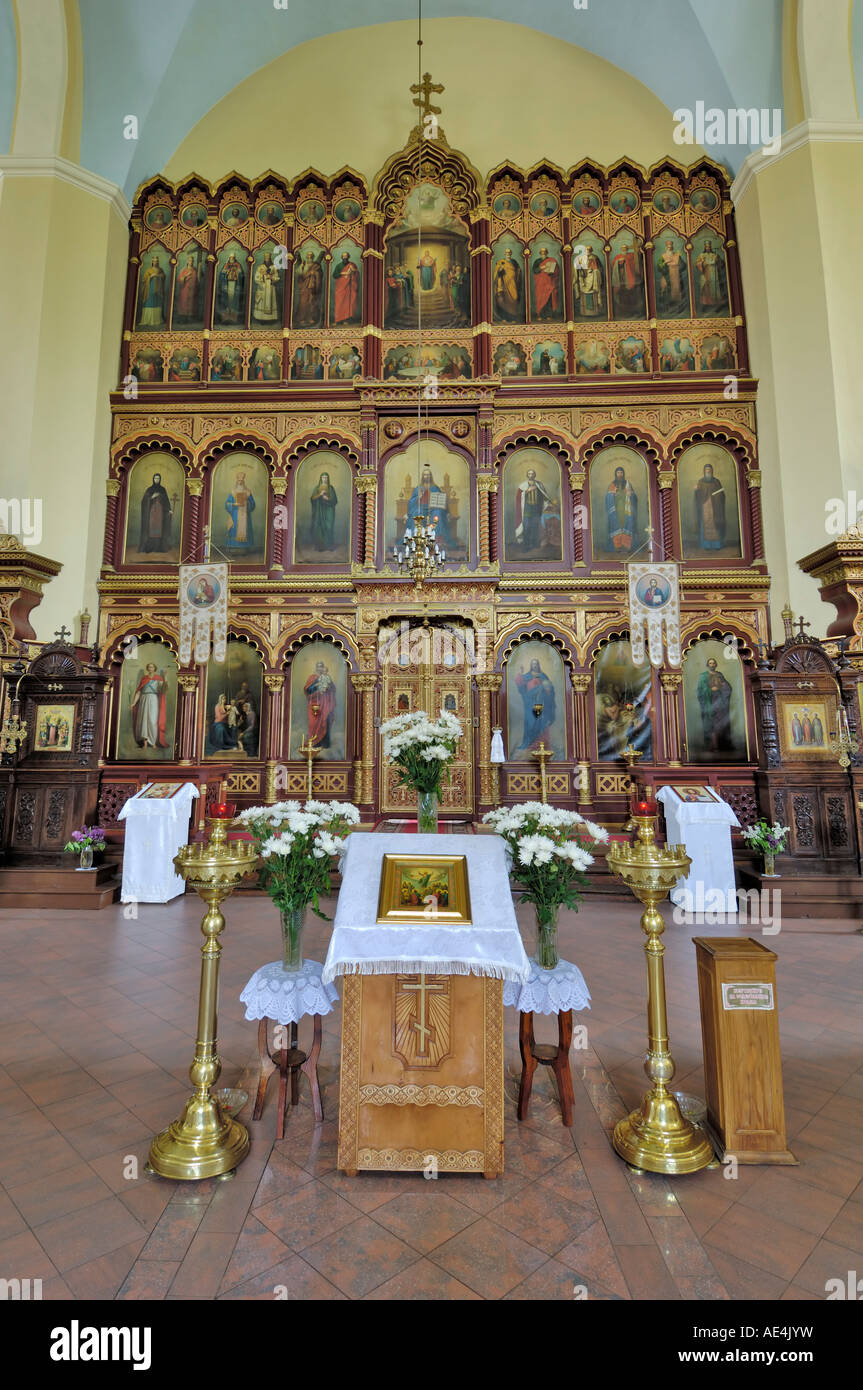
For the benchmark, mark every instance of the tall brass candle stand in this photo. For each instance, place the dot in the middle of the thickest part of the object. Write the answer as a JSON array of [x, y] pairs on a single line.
[[542, 755], [656, 1137], [308, 751], [204, 1142]]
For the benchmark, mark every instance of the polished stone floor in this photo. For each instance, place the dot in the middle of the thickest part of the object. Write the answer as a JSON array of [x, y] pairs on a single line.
[[97, 1019]]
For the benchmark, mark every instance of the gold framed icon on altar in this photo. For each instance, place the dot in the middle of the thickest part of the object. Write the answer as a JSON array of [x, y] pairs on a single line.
[[806, 725], [417, 887]]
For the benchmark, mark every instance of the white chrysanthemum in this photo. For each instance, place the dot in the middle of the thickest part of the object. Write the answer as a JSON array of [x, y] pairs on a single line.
[[280, 845]]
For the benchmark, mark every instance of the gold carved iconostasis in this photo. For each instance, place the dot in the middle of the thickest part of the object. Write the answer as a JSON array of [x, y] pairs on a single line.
[[581, 397]]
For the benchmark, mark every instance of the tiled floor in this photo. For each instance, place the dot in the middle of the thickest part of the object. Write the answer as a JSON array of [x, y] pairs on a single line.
[[97, 1017]]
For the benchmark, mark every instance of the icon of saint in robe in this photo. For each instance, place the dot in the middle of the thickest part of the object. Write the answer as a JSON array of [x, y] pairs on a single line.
[[532, 501], [714, 701], [152, 296], [324, 502], [149, 708], [589, 293], [155, 518], [231, 292], [546, 286], [346, 290], [266, 296], [320, 693], [710, 287], [427, 267], [621, 512], [429, 501], [535, 688], [310, 284], [672, 281], [508, 288], [710, 510], [240, 504], [627, 283], [187, 288]]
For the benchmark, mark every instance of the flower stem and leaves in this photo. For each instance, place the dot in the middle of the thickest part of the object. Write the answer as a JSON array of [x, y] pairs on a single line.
[[421, 748], [297, 844], [88, 837], [769, 839]]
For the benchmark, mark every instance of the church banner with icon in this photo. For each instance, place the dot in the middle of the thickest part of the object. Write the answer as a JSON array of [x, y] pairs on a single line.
[[203, 611], [654, 604]]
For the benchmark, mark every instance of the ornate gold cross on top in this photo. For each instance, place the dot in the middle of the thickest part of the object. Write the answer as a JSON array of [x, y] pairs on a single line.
[[423, 100], [423, 987]]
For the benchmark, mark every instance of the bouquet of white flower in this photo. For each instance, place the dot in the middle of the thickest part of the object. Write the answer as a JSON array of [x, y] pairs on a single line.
[[422, 749], [296, 844], [550, 854]]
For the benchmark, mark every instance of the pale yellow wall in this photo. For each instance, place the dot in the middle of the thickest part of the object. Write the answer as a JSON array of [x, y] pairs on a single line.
[[511, 94]]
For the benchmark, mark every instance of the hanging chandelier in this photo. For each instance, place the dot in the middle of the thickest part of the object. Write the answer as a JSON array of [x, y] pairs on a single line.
[[419, 554]]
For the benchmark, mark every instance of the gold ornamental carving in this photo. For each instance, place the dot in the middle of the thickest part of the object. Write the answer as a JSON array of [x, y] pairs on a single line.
[[415, 1160], [671, 680], [274, 683], [112, 487], [487, 482], [581, 681], [188, 683], [393, 1094], [753, 477], [194, 486]]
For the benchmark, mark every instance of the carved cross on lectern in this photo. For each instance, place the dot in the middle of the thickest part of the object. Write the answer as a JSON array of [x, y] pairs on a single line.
[[425, 89], [63, 633], [423, 987], [802, 624]]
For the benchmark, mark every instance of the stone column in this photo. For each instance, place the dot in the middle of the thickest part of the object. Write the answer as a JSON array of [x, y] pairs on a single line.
[[365, 686], [188, 683], [581, 681], [671, 683], [486, 684]]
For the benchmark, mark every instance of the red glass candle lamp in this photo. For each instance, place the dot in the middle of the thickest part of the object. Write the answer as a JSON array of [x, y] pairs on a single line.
[[223, 810], [643, 802]]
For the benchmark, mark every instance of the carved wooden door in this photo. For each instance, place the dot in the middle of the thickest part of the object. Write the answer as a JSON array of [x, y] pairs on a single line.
[[428, 668]]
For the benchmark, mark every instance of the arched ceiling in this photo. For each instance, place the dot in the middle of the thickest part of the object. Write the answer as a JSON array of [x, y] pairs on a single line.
[[168, 62]]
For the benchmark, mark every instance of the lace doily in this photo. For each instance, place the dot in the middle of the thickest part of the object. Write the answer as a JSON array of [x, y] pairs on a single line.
[[549, 991], [287, 995]]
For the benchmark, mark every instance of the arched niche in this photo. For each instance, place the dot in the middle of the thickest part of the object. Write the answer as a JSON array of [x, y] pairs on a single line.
[[532, 507], [239, 495], [318, 705], [535, 700], [708, 500], [232, 704], [155, 491], [147, 713], [619, 486], [623, 702], [714, 703], [434, 483], [322, 497]]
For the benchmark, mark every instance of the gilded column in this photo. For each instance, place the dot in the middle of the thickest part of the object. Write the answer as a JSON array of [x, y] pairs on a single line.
[[188, 683], [192, 527], [280, 523], [275, 715], [581, 681], [365, 686], [112, 489], [486, 684], [753, 478], [487, 486], [666, 520], [671, 683]]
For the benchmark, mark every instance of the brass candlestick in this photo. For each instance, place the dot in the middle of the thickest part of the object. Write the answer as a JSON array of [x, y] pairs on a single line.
[[542, 755], [204, 1142], [656, 1137], [308, 751]]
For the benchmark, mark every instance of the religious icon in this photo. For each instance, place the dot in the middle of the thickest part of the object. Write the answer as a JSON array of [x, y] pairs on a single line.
[[624, 702], [311, 212], [667, 201], [233, 703], [623, 201], [709, 276], [194, 215], [54, 728], [234, 215], [676, 355], [265, 364], [237, 527], [346, 285], [713, 702], [693, 795], [148, 366], [630, 355], [653, 591], [345, 363], [544, 205], [226, 364], [322, 505], [185, 364], [230, 306], [318, 706], [153, 281], [535, 703], [671, 277], [267, 286], [805, 728], [307, 364], [508, 284], [717, 353], [159, 217], [531, 506], [347, 210], [147, 704], [444, 361], [154, 510], [204, 591], [506, 205], [548, 359], [436, 489], [413, 888], [309, 283], [427, 266], [585, 204], [708, 500], [270, 214], [619, 503], [510, 360], [703, 200], [592, 357], [588, 279], [546, 282], [627, 277], [188, 310]]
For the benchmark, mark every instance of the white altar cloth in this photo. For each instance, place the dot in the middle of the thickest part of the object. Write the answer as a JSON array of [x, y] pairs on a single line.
[[490, 946], [704, 829], [156, 828]]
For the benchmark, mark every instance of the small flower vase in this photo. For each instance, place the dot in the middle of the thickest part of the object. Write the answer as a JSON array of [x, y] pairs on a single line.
[[86, 859], [769, 865], [546, 955], [293, 921], [427, 809]]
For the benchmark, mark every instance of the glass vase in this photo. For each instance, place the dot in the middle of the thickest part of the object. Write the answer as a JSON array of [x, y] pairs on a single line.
[[769, 865], [293, 921], [546, 955], [427, 809], [86, 859]]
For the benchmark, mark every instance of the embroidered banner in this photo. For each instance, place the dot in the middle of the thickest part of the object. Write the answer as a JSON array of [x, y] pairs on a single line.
[[203, 610], [654, 603]]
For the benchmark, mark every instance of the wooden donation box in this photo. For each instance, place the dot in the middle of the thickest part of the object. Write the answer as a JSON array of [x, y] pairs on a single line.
[[423, 940], [742, 1060]]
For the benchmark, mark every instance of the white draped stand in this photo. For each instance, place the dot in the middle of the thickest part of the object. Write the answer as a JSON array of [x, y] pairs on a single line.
[[704, 830], [155, 830]]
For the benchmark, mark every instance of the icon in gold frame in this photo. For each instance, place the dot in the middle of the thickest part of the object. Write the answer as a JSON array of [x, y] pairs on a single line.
[[419, 888]]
